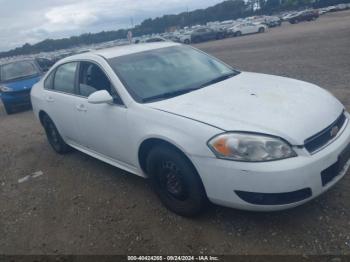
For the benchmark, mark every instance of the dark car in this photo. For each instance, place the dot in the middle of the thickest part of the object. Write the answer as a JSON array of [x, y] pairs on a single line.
[[206, 34], [304, 16], [17, 79], [273, 22]]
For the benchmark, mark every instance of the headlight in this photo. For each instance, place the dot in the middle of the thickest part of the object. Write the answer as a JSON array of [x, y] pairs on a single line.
[[250, 147], [5, 89]]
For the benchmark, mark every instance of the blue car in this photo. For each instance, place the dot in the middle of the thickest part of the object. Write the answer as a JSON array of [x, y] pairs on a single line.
[[17, 79]]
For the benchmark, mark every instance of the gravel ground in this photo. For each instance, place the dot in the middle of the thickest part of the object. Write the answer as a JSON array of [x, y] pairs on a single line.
[[80, 205]]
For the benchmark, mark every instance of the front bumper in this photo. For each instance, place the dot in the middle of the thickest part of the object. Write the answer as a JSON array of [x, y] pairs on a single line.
[[225, 180]]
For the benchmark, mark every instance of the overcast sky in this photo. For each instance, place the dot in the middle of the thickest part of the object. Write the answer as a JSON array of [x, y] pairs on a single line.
[[31, 21]]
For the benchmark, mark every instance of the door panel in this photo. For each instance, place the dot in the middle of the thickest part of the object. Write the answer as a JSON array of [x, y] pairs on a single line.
[[252, 29], [103, 127], [244, 29], [60, 97], [61, 109]]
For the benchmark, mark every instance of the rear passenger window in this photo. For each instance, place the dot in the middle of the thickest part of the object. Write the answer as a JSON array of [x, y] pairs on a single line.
[[64, 80]]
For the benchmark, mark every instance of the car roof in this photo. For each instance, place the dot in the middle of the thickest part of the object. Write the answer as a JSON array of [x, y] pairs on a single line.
[[117, 51], [131, 49]]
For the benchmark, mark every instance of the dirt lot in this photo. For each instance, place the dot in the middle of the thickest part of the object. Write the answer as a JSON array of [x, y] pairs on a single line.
[[83, 206]]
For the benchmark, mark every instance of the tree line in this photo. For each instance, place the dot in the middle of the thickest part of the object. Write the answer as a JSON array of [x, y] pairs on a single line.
[[229, 9]]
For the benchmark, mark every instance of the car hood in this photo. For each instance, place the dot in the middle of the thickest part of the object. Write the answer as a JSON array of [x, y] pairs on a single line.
[[288, 108]]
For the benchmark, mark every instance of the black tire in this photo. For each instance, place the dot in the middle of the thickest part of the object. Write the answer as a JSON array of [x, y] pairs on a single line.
[[54, 137], [175, 181], [238, 33], [187, 41], [8, 108], [261, 30]]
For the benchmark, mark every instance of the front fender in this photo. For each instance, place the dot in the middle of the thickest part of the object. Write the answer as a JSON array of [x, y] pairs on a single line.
[[187, 135]]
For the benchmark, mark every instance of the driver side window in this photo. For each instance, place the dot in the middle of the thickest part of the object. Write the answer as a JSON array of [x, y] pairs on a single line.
[[92, 79]]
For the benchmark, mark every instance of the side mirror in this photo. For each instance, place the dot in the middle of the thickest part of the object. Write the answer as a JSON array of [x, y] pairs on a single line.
[[100, 97]]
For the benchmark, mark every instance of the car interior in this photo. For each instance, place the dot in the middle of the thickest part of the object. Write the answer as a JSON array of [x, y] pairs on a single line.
[[92, 79]]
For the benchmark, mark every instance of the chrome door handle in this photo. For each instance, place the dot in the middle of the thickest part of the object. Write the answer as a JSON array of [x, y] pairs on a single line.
[[81, 108]]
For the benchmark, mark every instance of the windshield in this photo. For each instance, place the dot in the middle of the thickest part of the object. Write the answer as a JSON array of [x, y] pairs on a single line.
[[168, 72], [17, 70]]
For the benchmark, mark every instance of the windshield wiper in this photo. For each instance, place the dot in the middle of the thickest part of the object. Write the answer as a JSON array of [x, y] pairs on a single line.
[[219, 79], [188, 90], [170, 94]]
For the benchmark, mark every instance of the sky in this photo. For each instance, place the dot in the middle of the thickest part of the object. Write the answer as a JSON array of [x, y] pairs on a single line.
[[31, 21]]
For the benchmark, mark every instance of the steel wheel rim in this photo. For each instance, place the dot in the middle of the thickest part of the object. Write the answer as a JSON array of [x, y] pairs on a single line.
[[171, 181]]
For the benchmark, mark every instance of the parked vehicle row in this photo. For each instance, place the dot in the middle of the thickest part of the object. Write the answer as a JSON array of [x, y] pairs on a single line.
[[153, 39], [339, 7], [207, 34], [255, 24]]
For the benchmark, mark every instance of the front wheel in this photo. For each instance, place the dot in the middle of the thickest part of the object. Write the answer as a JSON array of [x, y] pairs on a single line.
[[238, 33], [54, 137], [261, 30], [175, 181]]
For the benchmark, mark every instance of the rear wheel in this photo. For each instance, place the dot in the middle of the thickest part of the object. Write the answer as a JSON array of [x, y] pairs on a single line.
[[54, 137], [175, 181], [187, 41], [261, 30], [238, 33]]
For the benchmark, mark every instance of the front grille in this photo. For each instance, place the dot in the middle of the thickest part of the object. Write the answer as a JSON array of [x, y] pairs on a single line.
[[322, 138]]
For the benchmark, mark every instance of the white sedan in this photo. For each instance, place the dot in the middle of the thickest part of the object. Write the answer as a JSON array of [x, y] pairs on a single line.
[[197, 128], [247, 28]]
